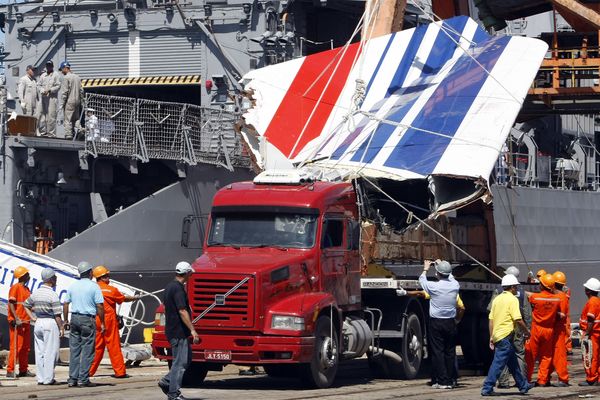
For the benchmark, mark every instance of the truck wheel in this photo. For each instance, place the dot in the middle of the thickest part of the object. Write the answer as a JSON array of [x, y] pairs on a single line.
[[281, 370], [409, 348], [321, 370], [194, 375], [412, 348]]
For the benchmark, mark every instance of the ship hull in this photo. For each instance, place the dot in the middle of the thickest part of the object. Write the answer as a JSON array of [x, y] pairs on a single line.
[[551, 229]]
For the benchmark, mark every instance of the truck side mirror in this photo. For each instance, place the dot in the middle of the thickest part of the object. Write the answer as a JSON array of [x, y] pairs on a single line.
[[192, 231]]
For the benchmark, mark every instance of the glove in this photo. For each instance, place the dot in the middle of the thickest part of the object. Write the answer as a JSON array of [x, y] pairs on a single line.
[[23, 105]]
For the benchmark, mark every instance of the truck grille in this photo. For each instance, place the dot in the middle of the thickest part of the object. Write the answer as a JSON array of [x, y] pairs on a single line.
[[236, 310]]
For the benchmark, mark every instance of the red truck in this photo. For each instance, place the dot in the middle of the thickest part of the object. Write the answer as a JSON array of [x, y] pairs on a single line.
[[289, 280]]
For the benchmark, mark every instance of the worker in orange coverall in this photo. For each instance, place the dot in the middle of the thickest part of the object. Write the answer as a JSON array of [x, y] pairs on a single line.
[[18, 325], [590, 324], [540, 346], [560, 280], [562, 330], [110, 338]]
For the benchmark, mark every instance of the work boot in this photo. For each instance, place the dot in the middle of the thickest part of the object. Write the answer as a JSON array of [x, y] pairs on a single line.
[[526, 389], [587, 383], [120, 376], [26, 374], [561, 384], [87, 384], [164, 387], [10, 374]]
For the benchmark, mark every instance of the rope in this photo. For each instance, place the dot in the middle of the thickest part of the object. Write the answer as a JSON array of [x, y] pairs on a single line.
[[431, 228], [448, 29], [513, 226], [340, 57], [586, 353], [408, 126]]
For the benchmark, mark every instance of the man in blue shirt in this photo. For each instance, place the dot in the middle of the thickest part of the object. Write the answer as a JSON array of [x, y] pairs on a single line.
[[442, 326], [86, 301]]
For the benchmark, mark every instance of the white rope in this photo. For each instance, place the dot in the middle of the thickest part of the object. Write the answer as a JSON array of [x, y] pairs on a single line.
[[448, 29], [339, 60], [586, 353], [372, 116], [431, 228]]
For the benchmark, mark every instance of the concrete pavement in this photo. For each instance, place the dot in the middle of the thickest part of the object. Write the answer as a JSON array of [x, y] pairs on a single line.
[[355, 381]]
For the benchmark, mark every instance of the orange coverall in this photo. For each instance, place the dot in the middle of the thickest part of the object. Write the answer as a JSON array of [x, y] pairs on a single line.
[[540, 346], [592, 309], [559, 359], [17, 294], [110, 339], [569, 344]]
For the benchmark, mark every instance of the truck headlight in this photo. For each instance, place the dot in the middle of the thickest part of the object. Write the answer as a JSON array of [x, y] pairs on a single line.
[[287, 322]]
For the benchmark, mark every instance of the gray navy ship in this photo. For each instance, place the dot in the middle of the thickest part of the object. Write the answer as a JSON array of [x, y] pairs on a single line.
[[162, 78]]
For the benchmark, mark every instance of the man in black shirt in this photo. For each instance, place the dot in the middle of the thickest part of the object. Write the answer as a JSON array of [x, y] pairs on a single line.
[[178, 328]]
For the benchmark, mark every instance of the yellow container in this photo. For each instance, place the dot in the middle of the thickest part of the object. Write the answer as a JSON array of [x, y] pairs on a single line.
[[148, 335]]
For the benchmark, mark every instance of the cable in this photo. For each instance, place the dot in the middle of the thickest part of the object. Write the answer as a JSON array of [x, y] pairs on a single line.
[[340, 58], [431, 228], [445, 29], [513, 226]]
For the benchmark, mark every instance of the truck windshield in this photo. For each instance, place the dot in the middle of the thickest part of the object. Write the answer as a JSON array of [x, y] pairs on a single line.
[[263, 229]]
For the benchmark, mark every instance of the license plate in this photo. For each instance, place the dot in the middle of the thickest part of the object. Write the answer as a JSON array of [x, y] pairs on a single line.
[[217, 355]]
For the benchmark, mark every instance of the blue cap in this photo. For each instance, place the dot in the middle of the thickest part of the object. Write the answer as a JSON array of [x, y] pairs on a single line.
[[64, 64]]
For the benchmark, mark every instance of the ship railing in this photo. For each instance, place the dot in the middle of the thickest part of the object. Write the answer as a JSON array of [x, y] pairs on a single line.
[[524, 169], [148, 129]]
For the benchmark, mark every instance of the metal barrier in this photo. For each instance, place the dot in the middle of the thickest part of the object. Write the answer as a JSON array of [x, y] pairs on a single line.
[[149, 129]]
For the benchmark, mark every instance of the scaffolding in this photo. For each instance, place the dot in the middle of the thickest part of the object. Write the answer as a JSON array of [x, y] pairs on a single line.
[[148, 129]]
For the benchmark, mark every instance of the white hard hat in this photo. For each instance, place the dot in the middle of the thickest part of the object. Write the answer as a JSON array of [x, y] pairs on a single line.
[[84, 267], [47, 274], [510, 280], [593, 284], [183, 267], [512, 270], [443, 267]]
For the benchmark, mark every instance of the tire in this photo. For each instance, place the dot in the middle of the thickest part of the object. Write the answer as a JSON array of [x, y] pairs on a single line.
[[410, 348], [322, 369], [194, 375], [281, 370]]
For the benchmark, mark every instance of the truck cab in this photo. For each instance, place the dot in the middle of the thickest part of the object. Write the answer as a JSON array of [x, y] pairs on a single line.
[[279, 273]]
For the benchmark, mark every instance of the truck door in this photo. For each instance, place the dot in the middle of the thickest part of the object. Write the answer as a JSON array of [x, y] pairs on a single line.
[[333, 258], [352, 261]]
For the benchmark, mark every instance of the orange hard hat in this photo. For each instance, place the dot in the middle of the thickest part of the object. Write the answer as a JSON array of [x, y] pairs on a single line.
[[547, 281], [20, 271], [541, 273], [560, 277], [100, 271]]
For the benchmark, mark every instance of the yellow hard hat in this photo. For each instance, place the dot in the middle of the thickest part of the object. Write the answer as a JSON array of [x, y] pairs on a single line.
[[100, 271], [20, 271], [560, 277], [541, 273], [547, 281]]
